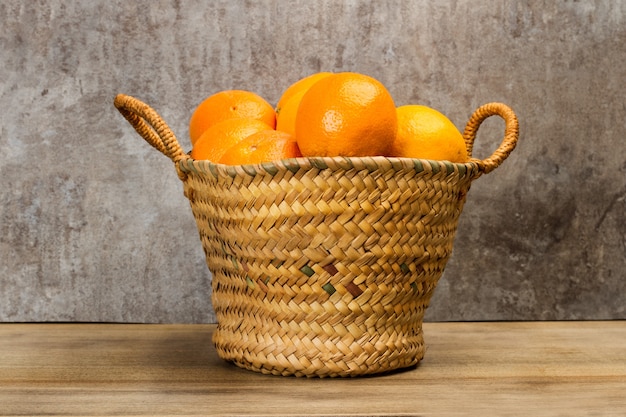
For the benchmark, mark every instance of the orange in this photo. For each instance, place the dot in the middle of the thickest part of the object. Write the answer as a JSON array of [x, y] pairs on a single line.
[[263, 146], [229, 104], [217, 139], [426, 133], [346, 114], [297, 88], [286, 117]]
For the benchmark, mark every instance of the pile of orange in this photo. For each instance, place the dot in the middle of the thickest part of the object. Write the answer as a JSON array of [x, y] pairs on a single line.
[[324, 114]]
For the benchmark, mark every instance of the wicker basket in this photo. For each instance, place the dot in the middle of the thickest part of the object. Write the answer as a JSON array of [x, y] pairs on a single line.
[[324, 266]]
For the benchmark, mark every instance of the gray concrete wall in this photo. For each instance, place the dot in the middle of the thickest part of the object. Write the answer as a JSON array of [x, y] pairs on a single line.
[[93, 223]]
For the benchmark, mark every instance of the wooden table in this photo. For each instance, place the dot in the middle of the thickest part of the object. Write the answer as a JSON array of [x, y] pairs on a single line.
[[476, 369]]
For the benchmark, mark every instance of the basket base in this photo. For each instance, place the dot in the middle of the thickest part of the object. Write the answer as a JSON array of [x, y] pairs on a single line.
[[313, 357]]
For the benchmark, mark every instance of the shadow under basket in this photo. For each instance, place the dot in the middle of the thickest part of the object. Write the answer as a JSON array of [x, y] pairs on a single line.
[[324, 266]]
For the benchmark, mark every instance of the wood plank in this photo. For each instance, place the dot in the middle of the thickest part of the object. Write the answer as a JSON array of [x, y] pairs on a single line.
[[504, 369]]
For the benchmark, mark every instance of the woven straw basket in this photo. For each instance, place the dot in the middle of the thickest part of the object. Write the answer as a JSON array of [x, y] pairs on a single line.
[[324, 266]]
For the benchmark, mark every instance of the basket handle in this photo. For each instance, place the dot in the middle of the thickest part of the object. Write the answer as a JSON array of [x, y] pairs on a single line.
[[151, 127], [511, 133]]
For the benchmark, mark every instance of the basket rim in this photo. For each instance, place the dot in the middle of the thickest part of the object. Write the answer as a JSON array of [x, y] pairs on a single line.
[[188, 165], [147, 122]]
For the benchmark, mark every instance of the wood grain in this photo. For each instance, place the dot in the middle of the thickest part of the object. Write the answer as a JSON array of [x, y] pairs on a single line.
[[504, 369]]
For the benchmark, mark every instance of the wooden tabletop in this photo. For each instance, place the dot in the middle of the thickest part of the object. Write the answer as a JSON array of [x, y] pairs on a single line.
[[476, 369]]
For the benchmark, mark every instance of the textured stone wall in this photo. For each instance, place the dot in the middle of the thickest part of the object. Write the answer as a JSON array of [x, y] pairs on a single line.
[[93, 223]]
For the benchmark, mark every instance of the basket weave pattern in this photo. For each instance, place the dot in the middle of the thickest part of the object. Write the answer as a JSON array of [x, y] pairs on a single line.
[[323, 266]]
